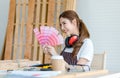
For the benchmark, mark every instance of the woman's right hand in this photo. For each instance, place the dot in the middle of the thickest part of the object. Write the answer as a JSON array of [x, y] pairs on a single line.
[[49, 49]]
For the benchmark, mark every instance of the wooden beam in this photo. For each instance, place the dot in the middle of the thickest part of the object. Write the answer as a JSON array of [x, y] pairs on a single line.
[[29, 29], [10, 28]]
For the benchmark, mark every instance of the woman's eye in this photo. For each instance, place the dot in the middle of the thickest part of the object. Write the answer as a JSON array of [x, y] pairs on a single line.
[[64, 23]]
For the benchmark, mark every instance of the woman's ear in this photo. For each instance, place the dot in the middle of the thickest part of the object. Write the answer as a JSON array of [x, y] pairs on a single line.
[[74, 22]]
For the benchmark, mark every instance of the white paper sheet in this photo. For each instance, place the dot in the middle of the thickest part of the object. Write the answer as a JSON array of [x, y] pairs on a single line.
[[36, 73]]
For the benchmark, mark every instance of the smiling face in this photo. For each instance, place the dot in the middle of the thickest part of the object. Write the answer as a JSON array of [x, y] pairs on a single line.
[[69, 27]]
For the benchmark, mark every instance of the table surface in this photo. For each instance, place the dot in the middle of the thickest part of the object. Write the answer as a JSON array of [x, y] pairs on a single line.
[[24, 69], [52, 74]]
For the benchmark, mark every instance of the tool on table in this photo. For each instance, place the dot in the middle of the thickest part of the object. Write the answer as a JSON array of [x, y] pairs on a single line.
[[43, 67]]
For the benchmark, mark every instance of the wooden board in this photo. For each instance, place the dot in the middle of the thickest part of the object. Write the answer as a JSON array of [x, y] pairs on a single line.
[[10, 30]]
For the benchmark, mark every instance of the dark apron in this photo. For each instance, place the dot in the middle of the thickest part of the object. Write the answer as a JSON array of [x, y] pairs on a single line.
[[68, 58]]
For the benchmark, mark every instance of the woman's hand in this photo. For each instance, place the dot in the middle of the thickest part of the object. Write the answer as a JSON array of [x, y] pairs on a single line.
[[49, 49]]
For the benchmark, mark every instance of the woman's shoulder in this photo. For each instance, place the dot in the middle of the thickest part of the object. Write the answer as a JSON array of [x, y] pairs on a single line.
[[87, 40]]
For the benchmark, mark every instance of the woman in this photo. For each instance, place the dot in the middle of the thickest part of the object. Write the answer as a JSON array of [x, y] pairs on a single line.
[[78, 51]]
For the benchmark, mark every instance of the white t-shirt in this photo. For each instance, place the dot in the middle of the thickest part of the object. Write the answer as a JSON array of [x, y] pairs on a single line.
[[86, 51]]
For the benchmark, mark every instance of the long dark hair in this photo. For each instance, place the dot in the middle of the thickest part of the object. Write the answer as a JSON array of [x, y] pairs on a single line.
[[83, 31]]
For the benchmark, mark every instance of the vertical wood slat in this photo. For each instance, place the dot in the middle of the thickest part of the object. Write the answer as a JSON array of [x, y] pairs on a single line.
[[40, 56], [35, 51], [29, 29], [70, 5], [15, 49], [10, 28], [50, 13], [74, 5], [58, 13], [50, 22], [43, 17], [59, 5], [40, 52], [22, 28]]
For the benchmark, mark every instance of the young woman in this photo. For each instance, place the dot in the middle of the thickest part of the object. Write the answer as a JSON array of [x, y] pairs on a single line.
[[78, 51]]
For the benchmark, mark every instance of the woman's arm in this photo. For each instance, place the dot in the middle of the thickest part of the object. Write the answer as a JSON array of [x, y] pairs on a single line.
[[77, 68], [82, 61], [80, 67]]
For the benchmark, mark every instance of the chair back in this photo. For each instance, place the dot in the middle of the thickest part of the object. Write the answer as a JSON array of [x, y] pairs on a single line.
[[99, 61]]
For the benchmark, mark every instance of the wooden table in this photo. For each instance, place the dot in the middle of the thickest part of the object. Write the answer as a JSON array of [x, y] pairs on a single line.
[[90, 74], [16, 64]]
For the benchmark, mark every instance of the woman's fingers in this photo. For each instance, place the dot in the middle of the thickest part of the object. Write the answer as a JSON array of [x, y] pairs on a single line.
[[45, 49], [49, 49]]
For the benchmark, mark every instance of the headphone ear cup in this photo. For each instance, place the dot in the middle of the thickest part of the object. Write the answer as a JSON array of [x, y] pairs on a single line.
[[73, 39], [67, 42]]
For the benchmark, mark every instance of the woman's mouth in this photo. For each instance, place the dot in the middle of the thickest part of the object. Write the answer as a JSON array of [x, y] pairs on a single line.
[[64, 31]]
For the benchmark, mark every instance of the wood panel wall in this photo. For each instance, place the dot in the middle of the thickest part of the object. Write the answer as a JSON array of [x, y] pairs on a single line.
[[24, 16]]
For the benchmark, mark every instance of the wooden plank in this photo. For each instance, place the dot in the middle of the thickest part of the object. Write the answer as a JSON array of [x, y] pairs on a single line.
[[10, 28], [59, 5], [43, 17], [64, 5], [58, 13], [15, 49], [70, 5], [74, 4], [40, 57], [3, 47], [50, 22], [40, 51], [22, 29], [50, 13], [40, 54], [29, 29], [35, 51], [67, 5]]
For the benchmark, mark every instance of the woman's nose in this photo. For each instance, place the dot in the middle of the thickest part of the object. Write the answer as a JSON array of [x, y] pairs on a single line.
[[62, 27]]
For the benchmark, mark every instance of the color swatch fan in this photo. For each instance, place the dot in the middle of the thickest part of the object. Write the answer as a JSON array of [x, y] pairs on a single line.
[[48, 36]]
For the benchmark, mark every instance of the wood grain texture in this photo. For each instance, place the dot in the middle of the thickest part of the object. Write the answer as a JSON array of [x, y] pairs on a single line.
[[24, 16], [10, 29]]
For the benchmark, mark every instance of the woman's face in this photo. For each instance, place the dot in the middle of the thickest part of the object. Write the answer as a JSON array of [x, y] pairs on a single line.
[[68, 27]]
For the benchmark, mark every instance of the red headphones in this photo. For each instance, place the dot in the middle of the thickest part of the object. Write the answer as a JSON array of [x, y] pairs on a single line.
[[70, 41]]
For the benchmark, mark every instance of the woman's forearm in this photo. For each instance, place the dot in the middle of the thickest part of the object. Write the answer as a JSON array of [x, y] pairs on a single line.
[[80, 68], [73, 67]]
